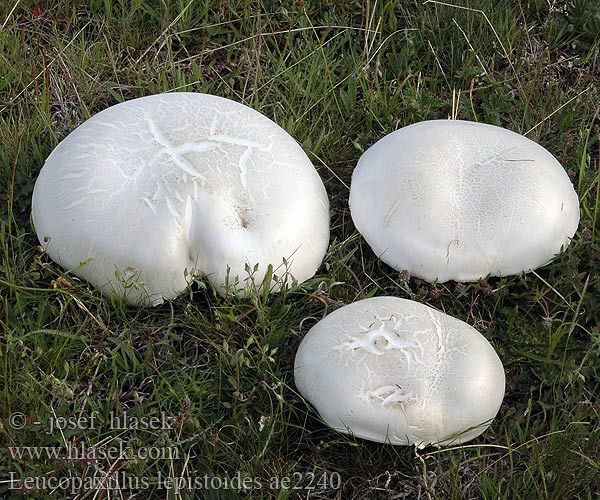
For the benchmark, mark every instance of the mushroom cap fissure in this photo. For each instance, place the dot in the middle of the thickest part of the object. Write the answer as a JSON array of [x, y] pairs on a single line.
[[393, 370], [450, 199], [176, 182]]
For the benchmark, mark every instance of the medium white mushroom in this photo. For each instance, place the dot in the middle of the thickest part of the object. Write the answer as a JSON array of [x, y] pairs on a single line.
[[155, 187], [395, 371], [458, 200]]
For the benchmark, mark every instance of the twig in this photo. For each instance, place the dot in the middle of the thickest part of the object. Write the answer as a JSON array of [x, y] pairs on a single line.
[[558, 109], [10, 14]]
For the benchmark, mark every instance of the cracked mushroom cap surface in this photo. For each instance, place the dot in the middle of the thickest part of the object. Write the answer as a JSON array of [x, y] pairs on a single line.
[[160, 186], [396, 371], [458, 200]]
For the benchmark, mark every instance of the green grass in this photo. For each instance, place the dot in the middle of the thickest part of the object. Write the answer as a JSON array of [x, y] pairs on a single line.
[[337, 76]]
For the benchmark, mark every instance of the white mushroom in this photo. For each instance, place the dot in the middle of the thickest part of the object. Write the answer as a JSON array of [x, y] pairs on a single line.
[[396, 371], [458, 200], [155, 187]]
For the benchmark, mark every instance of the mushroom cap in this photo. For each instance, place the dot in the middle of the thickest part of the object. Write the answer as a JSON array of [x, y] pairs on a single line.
[[396, 371], [458, 200], [155, 187]]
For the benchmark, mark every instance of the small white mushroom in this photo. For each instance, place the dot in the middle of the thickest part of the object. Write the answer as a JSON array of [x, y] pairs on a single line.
[[155, 187], [395, 371], [458, 200]]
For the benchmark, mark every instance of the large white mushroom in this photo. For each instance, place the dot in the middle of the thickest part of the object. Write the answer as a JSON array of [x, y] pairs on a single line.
[[155, 187], [458, 200], [395, 371]]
